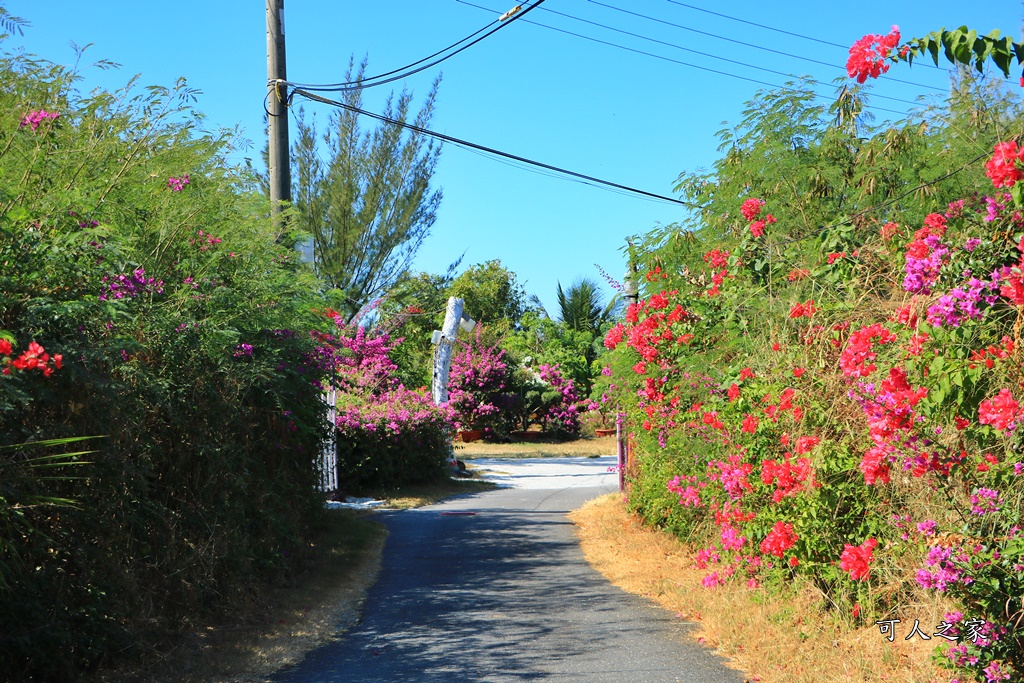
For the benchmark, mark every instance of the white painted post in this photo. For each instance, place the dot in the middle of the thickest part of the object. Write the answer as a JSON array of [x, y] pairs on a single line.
[[443, 352], [329, 456]]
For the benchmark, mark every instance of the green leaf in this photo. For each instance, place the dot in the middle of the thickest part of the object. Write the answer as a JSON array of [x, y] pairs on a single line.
[[933, 47]]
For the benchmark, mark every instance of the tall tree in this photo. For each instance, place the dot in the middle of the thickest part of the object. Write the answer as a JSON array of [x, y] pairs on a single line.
[[370, 204]]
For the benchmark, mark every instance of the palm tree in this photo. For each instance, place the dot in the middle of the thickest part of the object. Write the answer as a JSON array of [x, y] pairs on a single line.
[[582, 307]]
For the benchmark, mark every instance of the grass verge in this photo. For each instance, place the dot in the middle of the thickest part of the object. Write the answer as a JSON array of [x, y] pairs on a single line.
[[789, 637], [418, 495]]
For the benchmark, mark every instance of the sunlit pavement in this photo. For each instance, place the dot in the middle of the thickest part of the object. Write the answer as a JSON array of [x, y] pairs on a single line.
[[493, 586]]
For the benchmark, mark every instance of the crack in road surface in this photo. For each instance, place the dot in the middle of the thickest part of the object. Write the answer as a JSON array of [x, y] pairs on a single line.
[[506, 595]]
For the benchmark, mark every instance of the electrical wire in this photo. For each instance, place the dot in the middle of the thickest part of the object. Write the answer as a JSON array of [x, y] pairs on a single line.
[[676, 61], [311, 86], [406, 71], [750, 45], [490, 150], [777, 30], [703, 54]]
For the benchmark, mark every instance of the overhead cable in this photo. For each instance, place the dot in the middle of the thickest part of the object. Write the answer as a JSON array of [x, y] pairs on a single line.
[[490, 150], [746, 44], [676, 61], [772, 28], [698, 52], [408, 70]]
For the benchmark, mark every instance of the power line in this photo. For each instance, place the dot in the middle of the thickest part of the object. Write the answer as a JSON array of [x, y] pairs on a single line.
[[407, 70], [750, 45], [490, 150], [703, 54], [772, 28], [676, 61], [313, 86]]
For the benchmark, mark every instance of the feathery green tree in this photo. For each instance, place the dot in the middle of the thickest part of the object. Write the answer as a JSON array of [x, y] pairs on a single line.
[[370, 204]]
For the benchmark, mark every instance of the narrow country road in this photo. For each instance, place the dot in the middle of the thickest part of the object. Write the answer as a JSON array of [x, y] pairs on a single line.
[[493, 587]]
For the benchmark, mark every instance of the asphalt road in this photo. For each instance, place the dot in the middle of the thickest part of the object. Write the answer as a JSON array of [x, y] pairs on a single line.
[[494, 587]]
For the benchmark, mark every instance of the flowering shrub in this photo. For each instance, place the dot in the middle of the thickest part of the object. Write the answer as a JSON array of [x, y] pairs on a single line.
[[739, 449], [399, 437], [560, 409], [480, 389], [189, 353]]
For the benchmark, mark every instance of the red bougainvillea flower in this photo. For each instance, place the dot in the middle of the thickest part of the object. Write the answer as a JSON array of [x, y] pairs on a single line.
[[869, 54], [1000, 411], [780, 539], [805, 444], [835, 256], [799, 372], [734, 392], [889, 230], [1002, 167], [746, 373], [750, 423], [858, 354], [757, 228], [5, 347], [857, 559], [1013, 287], [798, 274], [804, 310], [614, 336], [751, 208], [875, 466]]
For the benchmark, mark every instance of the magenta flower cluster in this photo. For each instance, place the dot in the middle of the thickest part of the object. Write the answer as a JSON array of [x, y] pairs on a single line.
[[363, 363], [34, 118], [562, 415], [962, 303], [177, 184], [479, 387], [395, 412], [945, 571], [130, 285], [923, 264]]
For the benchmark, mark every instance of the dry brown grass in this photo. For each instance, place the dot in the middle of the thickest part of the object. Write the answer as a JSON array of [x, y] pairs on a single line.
[[539, 449], [772, 638]]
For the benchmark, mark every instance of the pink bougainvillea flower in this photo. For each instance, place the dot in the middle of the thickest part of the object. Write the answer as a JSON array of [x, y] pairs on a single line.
[[34, 118], [1000, 411], [857, 559], [751, 208], [869, 55], [1002, 167], [780, 539]]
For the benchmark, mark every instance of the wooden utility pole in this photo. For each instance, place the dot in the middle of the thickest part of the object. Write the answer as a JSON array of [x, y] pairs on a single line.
[[277, 162]]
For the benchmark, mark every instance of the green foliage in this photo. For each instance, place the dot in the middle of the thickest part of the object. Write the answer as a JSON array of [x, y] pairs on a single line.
[[800, 402], [582, 307], [492, 296], [132, 248], [369, 206], [964, 46]]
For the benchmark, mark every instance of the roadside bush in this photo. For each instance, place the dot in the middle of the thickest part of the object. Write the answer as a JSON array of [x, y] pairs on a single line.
[[399, 438], [481, 389], [131, 248], [836, 404]]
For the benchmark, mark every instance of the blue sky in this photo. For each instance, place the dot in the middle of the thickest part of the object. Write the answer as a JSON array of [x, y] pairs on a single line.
[[566, 100]]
